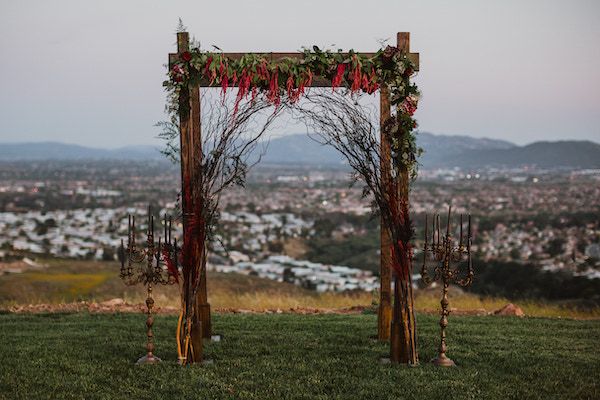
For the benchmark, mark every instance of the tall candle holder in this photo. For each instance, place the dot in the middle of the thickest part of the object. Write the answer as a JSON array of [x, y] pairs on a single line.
[[444, 253], [155, 264]]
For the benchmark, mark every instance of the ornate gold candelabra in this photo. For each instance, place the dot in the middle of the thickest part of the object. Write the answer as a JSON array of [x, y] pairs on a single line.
[[443, 253], [156, 264]]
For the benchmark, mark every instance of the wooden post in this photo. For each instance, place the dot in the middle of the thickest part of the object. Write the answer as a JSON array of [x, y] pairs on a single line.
[[384, 313], [403, 331], [191, 156], [201, 301]]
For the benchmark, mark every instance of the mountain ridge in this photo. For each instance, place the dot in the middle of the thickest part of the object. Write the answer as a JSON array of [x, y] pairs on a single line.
[[441, 151], [52, 150], [543, 154]]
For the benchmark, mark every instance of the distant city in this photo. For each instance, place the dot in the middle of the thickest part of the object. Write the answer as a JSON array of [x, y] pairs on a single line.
[[303, 223]]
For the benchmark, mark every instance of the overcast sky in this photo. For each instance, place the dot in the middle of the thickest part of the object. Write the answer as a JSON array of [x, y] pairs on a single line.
[[90, 72]]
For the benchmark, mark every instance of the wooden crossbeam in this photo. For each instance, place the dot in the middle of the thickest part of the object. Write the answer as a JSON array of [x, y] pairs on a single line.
[[317, 81], [414, 57]]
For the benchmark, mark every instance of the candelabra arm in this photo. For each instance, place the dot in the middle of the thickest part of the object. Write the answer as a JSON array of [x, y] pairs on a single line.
[[425, 278]]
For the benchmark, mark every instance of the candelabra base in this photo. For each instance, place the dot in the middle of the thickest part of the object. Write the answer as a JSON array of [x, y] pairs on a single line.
[[148, 359], [443, 361]]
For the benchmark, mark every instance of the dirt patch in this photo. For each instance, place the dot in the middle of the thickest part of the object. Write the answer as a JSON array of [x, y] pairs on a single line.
[[295, 247], [110, 306], [294, 310], [119, 306], [510, 309]]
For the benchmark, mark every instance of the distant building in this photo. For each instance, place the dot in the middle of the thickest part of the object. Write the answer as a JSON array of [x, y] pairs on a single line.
[[307, 274]]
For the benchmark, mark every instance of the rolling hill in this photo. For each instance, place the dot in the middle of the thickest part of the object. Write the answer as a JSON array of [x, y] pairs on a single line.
[[64, 151], [441, 151], [563, 154]]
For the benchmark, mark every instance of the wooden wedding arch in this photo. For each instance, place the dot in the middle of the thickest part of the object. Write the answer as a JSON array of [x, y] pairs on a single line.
[[190, 132]]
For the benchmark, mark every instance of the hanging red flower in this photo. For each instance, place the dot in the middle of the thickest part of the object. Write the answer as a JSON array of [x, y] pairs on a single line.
[[207, 66], [171, 266], [290, 86], [273, 92], [339, 75]]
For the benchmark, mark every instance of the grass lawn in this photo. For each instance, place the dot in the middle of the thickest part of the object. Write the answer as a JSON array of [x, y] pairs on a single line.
[[76, 356]]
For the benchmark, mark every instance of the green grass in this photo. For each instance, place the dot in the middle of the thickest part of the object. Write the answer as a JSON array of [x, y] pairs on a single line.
[[76, 356]]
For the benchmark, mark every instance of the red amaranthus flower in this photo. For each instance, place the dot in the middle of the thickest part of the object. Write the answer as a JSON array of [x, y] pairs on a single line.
[[224, 83], [290, 86], [224, 77], [356, 74], [171, 266], [292, 92], [309, 78], [207, 66], [273, 93], [244, 81], [263, 72], [305, 80], [339, 75], [369, 82]]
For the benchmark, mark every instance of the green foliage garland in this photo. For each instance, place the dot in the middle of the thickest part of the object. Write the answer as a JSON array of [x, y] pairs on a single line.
[[255, 74]]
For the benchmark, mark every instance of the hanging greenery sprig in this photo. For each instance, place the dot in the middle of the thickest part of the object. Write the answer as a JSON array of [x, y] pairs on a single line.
[[287, 79]]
